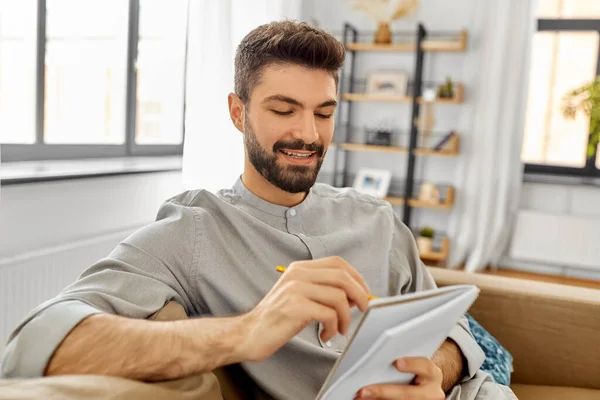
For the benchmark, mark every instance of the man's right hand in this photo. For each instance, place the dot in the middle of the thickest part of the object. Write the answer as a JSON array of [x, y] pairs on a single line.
[[320, 290]]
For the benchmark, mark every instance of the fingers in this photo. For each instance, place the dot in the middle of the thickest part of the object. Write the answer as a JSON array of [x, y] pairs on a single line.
[[336, 278], [428, 382], [331, 297], [391, 392], [339, 263], [422, 367], [311, 311], [329, 286]]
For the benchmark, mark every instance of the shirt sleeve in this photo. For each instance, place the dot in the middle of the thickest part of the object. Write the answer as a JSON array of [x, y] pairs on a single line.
[[408, 274], [145, 271]]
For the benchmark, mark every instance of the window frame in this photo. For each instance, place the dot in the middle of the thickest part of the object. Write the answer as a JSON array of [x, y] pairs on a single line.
[[40, 151], [590, 169]]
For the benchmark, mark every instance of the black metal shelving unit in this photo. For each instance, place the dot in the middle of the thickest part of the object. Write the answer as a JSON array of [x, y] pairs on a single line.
[[424, 41], [350, 36]]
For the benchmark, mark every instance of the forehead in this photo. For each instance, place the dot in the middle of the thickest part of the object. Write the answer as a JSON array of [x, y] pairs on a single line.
[[309, 85]]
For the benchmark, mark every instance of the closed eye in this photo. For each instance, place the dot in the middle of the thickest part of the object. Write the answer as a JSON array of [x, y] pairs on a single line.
[[324, 116], [282, 112]]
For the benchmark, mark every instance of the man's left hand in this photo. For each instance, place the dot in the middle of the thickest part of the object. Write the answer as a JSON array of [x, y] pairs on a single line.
[[427, 384]]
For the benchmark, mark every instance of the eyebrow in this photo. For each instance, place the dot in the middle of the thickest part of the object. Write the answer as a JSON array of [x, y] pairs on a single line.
[[286, 99]]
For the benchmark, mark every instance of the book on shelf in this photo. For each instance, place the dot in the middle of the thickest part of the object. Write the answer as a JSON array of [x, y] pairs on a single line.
[[444, 141]]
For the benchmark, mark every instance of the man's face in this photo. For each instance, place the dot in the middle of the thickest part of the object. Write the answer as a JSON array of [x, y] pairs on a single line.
[[289, 124]]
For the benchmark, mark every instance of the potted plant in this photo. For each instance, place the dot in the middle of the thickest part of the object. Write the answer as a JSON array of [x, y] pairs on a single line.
[[384, 12], [425, 240], [587, 100], [446, 90]]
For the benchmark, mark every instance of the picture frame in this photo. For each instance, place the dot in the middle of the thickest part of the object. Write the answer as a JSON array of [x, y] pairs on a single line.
[[374, 182], [387, 82]]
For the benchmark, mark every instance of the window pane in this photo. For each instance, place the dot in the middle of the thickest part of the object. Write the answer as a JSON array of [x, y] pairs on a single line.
[[568, 8], [86, 58], [160, 72], [17, 71], [549, 137]]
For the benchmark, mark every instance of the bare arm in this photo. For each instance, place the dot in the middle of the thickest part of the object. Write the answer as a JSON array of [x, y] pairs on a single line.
[[449, 359], [107, 344], [316, 290]]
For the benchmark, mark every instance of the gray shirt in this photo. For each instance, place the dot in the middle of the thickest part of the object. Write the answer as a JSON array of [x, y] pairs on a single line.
[[216, 256]]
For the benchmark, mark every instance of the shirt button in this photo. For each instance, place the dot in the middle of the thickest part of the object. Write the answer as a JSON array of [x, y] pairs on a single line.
[[293, 212], [328, 343]]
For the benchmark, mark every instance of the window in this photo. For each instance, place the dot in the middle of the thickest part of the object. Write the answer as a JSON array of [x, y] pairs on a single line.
[[85, 72], [17, 71], [552, 143], [102, 78], [161, 55]]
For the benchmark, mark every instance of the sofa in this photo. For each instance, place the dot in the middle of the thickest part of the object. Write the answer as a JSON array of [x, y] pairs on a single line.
[[551, 330]]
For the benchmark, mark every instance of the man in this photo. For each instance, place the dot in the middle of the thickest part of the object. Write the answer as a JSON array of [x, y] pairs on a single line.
[[216, 256]]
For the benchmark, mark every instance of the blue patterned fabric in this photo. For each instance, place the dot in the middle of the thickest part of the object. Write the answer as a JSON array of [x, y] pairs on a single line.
[[498, 361]]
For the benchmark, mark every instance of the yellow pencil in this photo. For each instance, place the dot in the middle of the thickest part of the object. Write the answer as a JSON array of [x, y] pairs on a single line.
[[282, 269]]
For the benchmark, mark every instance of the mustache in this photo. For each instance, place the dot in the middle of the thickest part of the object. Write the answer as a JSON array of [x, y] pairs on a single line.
[[299, 145]]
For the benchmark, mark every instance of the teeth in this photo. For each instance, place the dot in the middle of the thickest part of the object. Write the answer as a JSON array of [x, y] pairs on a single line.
[[296, 155]]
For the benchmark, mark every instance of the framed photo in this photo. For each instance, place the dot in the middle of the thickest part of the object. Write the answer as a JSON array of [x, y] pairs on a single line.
[[374, 182], [387, 82]]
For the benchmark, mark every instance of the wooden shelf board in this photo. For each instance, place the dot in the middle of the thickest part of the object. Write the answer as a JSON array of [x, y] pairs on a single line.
[[373, 97], [394, 149], [370, 147], [442, 255], [451, 46], [457, 99], [447, 205], [439, 153]]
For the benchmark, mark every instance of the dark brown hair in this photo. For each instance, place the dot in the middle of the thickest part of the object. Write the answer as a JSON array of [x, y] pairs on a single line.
[[284, 42]]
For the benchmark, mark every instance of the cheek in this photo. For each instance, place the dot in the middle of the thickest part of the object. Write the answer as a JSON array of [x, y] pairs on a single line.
[[326, 129], [268, 130]]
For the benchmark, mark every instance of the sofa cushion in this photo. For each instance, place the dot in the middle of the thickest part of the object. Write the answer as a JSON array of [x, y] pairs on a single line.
[[535, 392], [498, 361]]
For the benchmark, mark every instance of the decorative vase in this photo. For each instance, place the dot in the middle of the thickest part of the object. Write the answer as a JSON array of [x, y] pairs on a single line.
[[429, 193], [424, 244], [383, 34]]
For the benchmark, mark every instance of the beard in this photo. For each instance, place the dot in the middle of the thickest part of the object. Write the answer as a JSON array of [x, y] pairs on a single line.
[[289, 178]]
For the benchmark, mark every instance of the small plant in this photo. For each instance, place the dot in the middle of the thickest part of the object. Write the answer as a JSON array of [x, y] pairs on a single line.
[[587, 100], [427, 233], [446, 91]]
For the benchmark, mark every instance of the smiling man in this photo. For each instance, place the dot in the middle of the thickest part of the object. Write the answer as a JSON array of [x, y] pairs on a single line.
[[215, 255]]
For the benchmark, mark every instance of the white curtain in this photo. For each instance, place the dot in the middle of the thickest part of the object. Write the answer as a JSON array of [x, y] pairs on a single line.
[[213, 155], [491, 168]]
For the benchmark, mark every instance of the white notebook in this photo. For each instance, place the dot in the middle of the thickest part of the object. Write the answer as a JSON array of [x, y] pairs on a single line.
[[409, 325]]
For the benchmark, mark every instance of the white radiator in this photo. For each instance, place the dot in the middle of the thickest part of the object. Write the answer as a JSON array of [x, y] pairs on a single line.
[[562, 240], [30, 279]]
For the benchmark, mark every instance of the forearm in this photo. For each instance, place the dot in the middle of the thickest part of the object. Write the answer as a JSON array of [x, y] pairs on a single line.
[[106, 344], [449, 359]]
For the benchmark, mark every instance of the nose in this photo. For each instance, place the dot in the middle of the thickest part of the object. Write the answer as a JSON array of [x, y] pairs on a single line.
[[307, 131]]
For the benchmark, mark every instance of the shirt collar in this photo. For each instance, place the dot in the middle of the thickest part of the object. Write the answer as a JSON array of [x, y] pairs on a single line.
[[273, 209]]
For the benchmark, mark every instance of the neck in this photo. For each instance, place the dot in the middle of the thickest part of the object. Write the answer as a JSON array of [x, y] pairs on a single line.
[[257, 184]]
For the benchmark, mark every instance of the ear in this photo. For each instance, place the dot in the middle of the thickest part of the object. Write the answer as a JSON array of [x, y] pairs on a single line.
[[236, 111]]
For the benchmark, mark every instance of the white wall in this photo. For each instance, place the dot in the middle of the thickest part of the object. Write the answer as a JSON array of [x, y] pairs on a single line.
[[50, 232]]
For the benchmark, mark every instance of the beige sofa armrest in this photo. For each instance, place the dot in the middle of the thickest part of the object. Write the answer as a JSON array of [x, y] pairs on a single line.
[[552, 331]]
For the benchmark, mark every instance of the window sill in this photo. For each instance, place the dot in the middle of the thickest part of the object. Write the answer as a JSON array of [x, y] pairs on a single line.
[[561, 179], [12, 173]]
